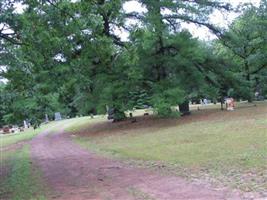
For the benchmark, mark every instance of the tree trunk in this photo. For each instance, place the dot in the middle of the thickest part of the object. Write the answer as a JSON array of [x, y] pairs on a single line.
[[250, 98], [222, 102], [184, 108]]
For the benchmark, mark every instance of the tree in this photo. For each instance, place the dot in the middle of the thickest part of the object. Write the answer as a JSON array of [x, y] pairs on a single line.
[[65, 56], [170, 58], [246, 40]]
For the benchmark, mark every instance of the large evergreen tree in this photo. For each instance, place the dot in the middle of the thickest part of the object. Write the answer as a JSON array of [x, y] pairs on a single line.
[[245, 42], [66, 56]]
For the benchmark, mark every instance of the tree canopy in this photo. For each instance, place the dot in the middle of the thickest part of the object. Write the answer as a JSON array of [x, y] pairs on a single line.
[[67, 56]]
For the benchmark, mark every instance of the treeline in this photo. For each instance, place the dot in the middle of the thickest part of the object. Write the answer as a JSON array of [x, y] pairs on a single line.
[[66, 56]]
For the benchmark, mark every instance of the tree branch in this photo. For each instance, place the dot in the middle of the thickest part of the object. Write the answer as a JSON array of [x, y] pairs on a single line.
[[259, 69], [215, 4], [10, 39], [211, 27]]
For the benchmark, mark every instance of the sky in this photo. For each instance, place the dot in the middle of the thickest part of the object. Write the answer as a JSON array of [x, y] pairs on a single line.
[[202, 33]]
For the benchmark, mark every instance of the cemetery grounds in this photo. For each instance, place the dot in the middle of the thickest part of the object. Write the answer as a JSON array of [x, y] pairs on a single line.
[[218, 149]]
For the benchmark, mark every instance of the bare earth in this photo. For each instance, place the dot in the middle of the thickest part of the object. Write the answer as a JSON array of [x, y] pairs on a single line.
[[76, 174]]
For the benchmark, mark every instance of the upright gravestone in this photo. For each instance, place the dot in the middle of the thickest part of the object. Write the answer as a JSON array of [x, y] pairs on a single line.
[[46, 118], [57, 116], [25, 124]]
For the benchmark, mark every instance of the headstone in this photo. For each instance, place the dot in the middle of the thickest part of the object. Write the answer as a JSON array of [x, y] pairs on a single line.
[[107, 108], [57, 116], [25, 124], [110, 113], [46, 118]]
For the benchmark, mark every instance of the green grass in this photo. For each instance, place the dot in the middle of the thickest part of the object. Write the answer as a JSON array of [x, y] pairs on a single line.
[[28, 134], [231, 147], [194, 144], [19, 179], [23, 181], [73, 124], [77, 124], [139, 195], [13, 138]]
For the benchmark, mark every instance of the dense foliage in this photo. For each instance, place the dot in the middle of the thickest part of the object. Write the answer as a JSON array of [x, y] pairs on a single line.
[[67, 56]]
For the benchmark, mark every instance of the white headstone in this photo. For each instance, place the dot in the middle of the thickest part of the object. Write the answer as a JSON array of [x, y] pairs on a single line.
[[57, 116], [46, 118], [25, 124]]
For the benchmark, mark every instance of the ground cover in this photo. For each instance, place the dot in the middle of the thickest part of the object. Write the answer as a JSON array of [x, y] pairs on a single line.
[[20, 180], [225, 147]]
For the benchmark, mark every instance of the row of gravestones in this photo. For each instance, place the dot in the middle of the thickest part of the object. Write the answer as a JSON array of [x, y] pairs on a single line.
[[58, 117], [229, 103]]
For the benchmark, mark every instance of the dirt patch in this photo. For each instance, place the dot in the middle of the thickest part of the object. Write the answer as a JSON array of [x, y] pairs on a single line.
[[73, 173], [154, 123], [142, 122]]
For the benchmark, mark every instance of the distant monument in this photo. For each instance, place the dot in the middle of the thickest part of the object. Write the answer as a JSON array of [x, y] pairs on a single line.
[[46, 118], [58, 116], [26, 124]]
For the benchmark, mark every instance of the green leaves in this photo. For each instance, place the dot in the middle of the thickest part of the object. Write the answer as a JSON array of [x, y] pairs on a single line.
[[246, 44], [70, 58]]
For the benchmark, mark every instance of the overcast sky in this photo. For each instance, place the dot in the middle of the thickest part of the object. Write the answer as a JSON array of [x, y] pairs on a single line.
[[200, 32], [203, 33]]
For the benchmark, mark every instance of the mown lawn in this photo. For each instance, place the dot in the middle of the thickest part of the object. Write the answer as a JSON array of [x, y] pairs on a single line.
[[28, 134], [76, 124], [13, 138], [225, 147], [20, 180]]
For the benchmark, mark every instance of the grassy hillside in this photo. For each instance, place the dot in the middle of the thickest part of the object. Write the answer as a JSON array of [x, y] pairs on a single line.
[[228, 146]]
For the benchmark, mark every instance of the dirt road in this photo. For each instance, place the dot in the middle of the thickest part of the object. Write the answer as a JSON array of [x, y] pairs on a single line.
[[75, 174]]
